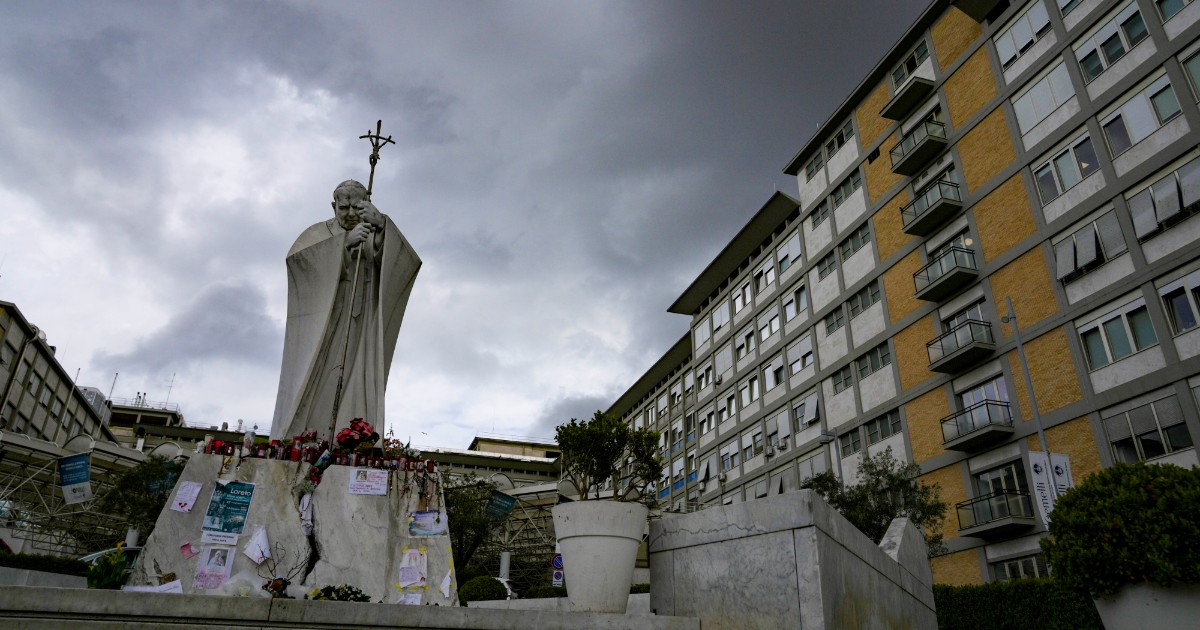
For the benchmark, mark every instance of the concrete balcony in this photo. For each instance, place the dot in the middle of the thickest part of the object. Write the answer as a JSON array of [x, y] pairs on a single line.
[[1001, 513], [919, 147], [986, 422], [950, 271], [977, 10], [961, 347], [931, 209], [911, 93]]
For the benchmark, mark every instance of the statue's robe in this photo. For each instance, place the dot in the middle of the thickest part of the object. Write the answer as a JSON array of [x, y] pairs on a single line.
[[321, 272]]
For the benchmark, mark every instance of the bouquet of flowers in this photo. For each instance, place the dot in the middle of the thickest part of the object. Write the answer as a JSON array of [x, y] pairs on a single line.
[[359, 435], [339, 593]]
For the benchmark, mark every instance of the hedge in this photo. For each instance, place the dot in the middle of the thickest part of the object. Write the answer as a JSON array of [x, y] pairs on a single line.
[[1014, 605], [482, 588], [541, 590], [40, 562]]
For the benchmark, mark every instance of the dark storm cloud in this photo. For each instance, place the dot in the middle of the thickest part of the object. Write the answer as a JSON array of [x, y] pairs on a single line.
[[563, 410], [224, 323]]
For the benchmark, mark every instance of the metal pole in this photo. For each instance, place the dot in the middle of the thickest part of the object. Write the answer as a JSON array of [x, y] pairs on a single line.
[[1011, 318], [837, 455]]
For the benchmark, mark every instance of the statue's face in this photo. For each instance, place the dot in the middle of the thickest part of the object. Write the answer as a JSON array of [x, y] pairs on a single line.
[[345, 208]]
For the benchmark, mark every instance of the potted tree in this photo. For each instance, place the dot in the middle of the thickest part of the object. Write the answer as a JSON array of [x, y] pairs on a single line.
[[604, 458], [1129, 536]]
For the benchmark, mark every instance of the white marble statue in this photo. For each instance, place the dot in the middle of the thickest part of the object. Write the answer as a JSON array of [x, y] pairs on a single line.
[[321, 272]]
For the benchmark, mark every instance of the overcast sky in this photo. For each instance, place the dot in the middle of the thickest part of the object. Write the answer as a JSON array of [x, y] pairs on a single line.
[[564, 170]]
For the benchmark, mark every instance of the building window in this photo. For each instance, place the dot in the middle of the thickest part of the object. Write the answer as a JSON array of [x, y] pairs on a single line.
[[676, 393], [746, 343], [1111, 42], [843, 190], [35, 382], [834, 320], [820, 213], [910, 64], [720, 316], [706, 421], [1148, 431], [1140, 116], [1117, 334], [851, 442], [1020, 568], [724, 359], [875, 359], [1168, 8], [749, 390], [1010, 477], [765, 276], [857, 239], [1166, 201], [742, 298], [704, 376], [813, 166], [1068, 167], [662, 405], [1192, 67], [702, 332], [812, 465], [773, 373], [1066, 6], [1088, 247], [729, 456], [863, 300], [800, 354], [1180, 299], [795, 302], [768, 322], [826, 265], [973, 312], [752, 443], [1015, 40], [726, 407], [789, 253], [883, 427], [843, 379], [1043, 97], [839, 139], [46, 394]]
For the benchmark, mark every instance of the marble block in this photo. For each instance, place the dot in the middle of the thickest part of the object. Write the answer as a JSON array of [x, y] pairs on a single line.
[[358, 539]]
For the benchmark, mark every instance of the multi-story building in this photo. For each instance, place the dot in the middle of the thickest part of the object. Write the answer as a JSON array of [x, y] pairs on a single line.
[[1038, 151]]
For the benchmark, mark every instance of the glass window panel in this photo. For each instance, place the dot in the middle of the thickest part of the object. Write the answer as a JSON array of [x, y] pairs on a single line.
[[1111, 238], [1125, 452], [1143, 330], [1170, 7], [1189, 182], [1068, 172], [1085, 246], [1113, 49], [1179, 310], [1166, 198], [1135, 29], [1118, 340], [1139, 117], [1118, 136], [1026, 117], [1022, 35], [1060, 85], [1166, 106], [1177, 437], [1064, 257], [1043, 99], [1152, 444], [1006, 50], [1091, 65], [1141, 207], [1085, 155], [1039, 19], [1192, 66], [1047, 185]]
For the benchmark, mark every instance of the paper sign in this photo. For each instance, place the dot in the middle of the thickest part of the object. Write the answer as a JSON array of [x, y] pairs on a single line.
[[185, 496], [74, 476], [411, 599], [445, 587], [427, 523], [368, 481], [412, 568], [214, 567], [258, 549], [226, 516], [174, 586], [188, 550]]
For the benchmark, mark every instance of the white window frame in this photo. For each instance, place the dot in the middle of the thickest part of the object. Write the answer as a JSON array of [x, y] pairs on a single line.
[[1084, 247], [1066, 156], [1116, 26], [1130, 111], [1116, 319], [1033, 22], [1031, 98]]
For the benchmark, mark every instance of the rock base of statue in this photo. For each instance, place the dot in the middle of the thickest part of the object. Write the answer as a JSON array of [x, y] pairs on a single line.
[[393, 546]]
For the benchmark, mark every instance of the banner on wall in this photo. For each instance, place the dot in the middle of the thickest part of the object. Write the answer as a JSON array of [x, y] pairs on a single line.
[[74, 477], [1043, 472], [226, 516]]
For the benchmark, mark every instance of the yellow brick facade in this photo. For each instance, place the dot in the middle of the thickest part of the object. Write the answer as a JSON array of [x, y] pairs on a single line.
[[957, 569], [949, 481], [1052, 369], [924, 415], [986, 150], [1027, 281], [889, 228], [870, 124], [880, 177], [1076, 439], [970, 88], [1004, 218], [911, 355], [899, 288], [953, 35]]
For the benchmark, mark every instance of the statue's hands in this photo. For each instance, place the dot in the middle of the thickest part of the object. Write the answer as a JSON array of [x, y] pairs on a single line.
[[368, 213], [357, 235]]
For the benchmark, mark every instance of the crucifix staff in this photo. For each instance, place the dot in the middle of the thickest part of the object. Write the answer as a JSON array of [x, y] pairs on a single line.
[[378, 141]]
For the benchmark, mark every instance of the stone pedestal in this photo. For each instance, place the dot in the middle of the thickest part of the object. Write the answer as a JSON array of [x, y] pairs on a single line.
[[357, 539]]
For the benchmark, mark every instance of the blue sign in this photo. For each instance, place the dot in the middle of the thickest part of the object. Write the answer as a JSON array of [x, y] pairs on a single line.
[[557, 561], [74, 476]]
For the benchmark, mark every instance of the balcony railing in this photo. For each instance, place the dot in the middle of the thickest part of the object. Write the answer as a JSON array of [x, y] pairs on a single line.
[[930, 209], [984, 418], [918, 147], [1000, 512], [950, 270], [963, 345]]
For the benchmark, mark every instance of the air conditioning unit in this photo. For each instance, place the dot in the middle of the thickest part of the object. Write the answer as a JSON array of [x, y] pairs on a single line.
[[783, 445], [722, 477], [770, 451], [717, 380], [703, 486]]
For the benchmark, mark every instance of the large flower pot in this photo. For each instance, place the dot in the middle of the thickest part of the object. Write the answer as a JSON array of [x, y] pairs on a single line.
[[1143, 606], [599, 541]]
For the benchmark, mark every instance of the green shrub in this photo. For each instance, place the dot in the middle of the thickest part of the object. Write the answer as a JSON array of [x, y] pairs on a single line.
[[40, 562], [541, 590], [1129, 524], [482, 588], [109, 570], [339, 593], [470, 573], [1044, 604], [639, 588]]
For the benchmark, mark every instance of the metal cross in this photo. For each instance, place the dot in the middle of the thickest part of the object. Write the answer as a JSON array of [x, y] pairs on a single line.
[[377, 143]]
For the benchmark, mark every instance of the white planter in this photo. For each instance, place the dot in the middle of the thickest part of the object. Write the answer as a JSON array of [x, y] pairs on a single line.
[[1144, 606], [599, 541]]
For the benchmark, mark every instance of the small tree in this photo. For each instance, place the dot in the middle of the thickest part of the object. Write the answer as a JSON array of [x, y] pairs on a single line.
[[604, 449], [886, 489], [470, 525], [140, 493]]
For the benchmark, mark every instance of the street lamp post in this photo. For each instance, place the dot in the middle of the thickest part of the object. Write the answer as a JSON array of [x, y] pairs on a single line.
[[831, 437], [1011, 318]]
